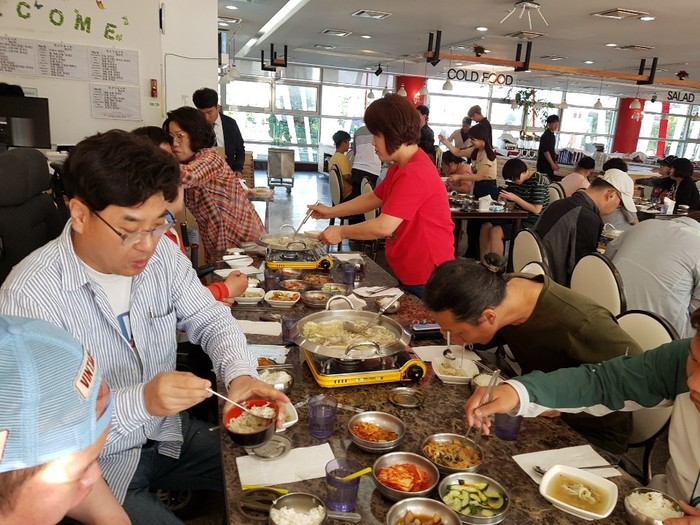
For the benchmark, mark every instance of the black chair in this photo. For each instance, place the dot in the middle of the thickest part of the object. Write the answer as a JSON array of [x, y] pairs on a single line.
[[28, 215]]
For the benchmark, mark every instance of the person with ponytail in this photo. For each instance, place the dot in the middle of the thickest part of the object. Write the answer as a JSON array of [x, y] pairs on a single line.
[[545, 325]]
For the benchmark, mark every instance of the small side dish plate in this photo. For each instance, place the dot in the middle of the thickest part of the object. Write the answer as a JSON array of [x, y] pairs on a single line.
[[406, 397]]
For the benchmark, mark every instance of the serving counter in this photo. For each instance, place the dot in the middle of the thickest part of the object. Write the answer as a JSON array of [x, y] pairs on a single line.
[[442, 411]]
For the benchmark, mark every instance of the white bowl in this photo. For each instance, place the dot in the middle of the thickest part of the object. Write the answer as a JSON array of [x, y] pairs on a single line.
[[274, 298], [252, 296], [238, 261], [590, 478], [291, 417], [468, 366], [253, 282]]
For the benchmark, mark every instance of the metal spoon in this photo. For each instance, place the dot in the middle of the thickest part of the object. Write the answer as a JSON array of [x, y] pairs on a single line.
[[237, 404], [352, 327], [542, 471], [306, 218], [447, 353]]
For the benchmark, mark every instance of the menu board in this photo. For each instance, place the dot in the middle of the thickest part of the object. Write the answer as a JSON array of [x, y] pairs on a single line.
[[115, 102], [114, 65], [58, 60], [21, 56], [17, 56]]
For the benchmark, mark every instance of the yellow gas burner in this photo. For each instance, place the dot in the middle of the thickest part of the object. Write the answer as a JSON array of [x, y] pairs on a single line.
[[311, 259], [332, 373]]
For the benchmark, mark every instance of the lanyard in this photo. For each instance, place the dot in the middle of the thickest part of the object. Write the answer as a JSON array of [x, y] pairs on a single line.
[[695, 500]]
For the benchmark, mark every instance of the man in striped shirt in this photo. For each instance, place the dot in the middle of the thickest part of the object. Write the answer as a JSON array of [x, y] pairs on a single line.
[[110, 283]]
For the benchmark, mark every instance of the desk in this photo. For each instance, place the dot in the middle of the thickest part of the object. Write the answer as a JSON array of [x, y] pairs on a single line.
[[516, 217], [441, 412]]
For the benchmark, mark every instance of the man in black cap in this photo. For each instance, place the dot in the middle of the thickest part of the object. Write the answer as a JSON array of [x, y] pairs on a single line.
[[662, 184], [546, 156]]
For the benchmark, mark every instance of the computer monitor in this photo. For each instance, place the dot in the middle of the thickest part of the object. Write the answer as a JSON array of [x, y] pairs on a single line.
[[24, 122]]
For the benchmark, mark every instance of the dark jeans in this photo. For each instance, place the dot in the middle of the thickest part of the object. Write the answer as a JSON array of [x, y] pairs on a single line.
[[481, 189], [198, 468], [356, 181]]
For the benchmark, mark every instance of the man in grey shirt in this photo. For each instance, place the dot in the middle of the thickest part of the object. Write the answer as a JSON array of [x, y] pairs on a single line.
[[659, 261], [365, 164]]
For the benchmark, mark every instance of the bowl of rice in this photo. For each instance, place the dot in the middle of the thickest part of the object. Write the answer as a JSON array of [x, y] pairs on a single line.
[[297, 508], [279, 379], [650, 507], [248, 430]]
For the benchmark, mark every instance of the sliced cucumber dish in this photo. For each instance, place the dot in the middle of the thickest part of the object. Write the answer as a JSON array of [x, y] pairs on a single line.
[[474, 499]]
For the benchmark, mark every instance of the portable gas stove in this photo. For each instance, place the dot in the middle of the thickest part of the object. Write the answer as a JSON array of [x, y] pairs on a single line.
[[330, 372], [308, 259]]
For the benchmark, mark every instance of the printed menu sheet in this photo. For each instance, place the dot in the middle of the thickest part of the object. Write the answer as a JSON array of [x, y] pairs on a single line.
[[115, 102]]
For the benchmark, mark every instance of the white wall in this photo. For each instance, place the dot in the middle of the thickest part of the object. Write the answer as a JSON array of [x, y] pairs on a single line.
[[190, 49], [190, 30]]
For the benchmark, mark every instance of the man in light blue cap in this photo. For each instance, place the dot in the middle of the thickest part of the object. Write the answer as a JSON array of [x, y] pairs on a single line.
[[55, 412]]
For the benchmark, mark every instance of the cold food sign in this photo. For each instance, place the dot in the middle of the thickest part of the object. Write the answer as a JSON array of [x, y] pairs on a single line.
[[481, 77]]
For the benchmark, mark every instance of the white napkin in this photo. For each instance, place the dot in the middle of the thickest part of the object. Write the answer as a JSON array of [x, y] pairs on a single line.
[[372, 291], [260, 327], [428, 353], [277, 353], [300, 464], [246, 270], [357, 303], [581, 456], [345, 257]]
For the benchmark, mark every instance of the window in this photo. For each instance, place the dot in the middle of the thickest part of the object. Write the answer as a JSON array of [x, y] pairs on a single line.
[[344, 101], [664, 129], [246, 94], [296, 98]]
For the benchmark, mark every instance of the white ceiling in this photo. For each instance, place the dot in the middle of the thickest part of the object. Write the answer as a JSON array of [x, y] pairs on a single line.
[[572, 33]]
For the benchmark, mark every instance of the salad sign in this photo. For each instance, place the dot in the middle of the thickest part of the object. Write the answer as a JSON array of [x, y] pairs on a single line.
[[680, 96]]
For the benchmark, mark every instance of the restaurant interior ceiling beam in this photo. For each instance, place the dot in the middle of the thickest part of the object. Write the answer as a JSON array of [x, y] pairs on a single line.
[[515, 64]]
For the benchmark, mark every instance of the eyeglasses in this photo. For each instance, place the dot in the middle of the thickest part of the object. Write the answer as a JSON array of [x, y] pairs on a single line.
[[129, 239], [179, 137]]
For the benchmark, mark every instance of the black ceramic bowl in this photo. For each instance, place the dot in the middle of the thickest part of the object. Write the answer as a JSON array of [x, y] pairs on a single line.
[[260, 433]]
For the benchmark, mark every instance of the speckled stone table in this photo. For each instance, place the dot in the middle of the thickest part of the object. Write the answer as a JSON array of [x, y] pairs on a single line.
[[442, 411]]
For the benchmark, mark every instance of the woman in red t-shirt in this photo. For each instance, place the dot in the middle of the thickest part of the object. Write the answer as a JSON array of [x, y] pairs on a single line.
[[415, 213]]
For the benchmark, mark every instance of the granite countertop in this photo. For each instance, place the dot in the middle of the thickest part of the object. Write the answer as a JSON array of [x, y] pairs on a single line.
[[442, 411]]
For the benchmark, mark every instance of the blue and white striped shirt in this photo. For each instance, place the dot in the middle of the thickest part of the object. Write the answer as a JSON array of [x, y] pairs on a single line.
[[52, 284]]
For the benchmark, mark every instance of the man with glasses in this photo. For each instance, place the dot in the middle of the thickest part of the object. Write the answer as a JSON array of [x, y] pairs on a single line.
[[109, 282], [570, 228]]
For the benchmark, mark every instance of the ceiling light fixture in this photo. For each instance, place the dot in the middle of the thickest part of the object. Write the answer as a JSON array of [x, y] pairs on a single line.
[[598, 104], [610, 45], [647, 18], [231, 7], [447, 86], [402, 91], [526, 5], [287, 11], [638, 115], [365, 36], [482, 28], [588, 62], [564, 104], [386, 90]]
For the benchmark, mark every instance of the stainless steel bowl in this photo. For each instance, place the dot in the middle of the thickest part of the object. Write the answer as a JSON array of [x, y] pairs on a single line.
[[336, 289], [399, 344], [493, 485], [635, 517], [315, 298], [289, 273], [316, 280], [381, 301], [394, 458], [294, 285], [298, 501], [454, 437], [421, 507], [382, 420]]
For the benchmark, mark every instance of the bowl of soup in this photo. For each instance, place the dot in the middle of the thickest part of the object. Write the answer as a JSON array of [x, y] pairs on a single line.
[[579, 492]]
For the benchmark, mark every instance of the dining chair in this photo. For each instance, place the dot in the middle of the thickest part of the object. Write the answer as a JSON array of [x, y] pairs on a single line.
[[336, 183], [535, 268], [527, 247], [556, 191], [366, 187], [649, 330], [29, 217], [597, 278]]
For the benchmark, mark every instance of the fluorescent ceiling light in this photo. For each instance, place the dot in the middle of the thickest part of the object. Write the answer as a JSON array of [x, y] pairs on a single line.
[[610, 45], [288, 10], [231, 7], [647, 18], [223, 24], [365, 36], [482, 28], [588, 62]]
